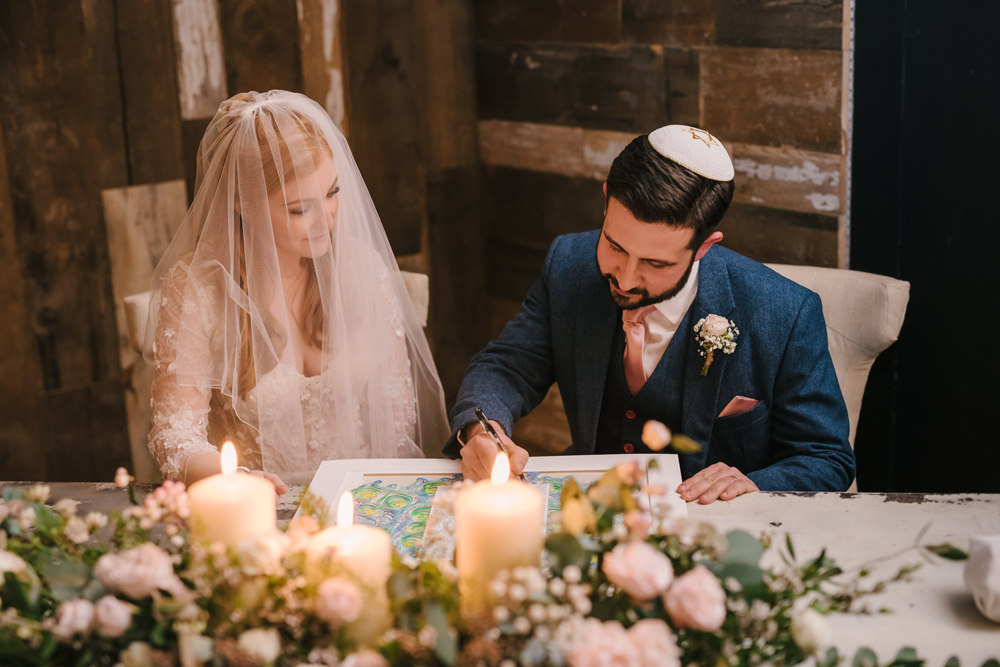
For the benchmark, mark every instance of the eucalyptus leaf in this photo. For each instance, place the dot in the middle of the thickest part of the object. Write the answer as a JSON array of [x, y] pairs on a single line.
[[993, 662], [16, 593], [45, 519], [952, 662], [446, 646], [684, 445], [567, 549], [948, 551], [67, 579], [907, 657], [749, 576], [831, 659], [865, 657], [12, 493], [788, 543], [743, 548]]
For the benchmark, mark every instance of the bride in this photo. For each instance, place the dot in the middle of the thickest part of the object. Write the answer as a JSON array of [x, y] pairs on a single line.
[[279, 319]]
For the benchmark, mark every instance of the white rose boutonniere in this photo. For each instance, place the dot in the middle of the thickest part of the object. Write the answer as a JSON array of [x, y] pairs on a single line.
[[715, 333]]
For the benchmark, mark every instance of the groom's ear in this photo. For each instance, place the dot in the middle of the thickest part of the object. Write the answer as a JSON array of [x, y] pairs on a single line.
[[605, 197], [707, 244]]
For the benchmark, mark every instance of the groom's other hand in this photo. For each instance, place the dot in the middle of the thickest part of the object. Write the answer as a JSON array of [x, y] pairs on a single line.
[[480, 452], [715, 482]]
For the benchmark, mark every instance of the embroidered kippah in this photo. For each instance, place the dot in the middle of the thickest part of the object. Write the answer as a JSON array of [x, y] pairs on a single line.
[[695, 149]]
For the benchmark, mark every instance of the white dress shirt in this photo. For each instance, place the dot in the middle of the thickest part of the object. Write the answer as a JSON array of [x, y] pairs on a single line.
[[662, 323]]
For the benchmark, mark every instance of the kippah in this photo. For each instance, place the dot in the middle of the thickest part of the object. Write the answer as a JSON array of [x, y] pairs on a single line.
[[695, 149]]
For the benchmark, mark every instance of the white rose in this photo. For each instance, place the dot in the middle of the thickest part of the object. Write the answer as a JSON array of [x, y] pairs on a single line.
[[141, 572], [74, 617], [696, 600], [113, 616], [66, 506], [262, 644], [603, 645], [12, 563], [194, 649], [338, 601], [27, 518], [638, 568], [261, 553], [811, 631], [655, 642], [122, 478], [715, 325], [138, 654], [655, 435], [77, 530], [365, 658]]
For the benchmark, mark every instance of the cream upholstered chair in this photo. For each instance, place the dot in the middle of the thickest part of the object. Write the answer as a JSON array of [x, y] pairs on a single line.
[[137, 307], [863, 312]]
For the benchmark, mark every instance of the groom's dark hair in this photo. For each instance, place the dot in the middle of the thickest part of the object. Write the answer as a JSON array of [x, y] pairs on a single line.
[[656, 189]]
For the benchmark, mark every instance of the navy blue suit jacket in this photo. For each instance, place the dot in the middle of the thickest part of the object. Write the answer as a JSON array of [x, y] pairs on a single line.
[[795, 439]]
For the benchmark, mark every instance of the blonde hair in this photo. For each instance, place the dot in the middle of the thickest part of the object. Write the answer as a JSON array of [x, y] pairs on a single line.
[[302, 137]]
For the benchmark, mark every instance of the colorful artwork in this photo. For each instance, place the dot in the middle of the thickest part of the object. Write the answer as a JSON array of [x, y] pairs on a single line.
[[402, 509]]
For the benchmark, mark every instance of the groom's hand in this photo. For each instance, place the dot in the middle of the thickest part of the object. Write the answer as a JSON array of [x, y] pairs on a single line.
[[718, 481], [480, 452]]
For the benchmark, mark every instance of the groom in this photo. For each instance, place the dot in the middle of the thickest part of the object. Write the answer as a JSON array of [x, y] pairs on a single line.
[[612, 319]]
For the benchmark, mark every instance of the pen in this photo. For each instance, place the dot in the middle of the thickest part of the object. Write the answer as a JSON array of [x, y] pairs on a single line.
[[496, 438]]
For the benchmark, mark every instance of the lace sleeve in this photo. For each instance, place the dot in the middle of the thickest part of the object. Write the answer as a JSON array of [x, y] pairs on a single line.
[[180, 412], [403, 399]]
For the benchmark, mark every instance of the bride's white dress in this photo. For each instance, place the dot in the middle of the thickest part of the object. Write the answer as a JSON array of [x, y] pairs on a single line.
[[191, 417]]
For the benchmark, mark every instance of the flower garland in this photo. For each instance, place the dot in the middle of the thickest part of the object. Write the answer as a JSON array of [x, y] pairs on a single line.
[[622, 583]]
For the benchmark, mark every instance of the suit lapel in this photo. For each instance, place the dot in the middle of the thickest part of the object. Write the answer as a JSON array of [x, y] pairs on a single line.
[[701, 394], [597, 317]]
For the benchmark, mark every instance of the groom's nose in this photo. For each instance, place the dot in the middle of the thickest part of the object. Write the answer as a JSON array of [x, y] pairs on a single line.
[[628, 276]]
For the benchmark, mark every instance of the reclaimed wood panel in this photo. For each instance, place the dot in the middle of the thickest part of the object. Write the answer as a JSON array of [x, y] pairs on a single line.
[[20, 429], [542, 207], [201, 71], [786, 178], [192, 132], [386, 136], [549, 20], [106, 91], [321, 45], [50, 138], [149, 89], [262, 45], [513, 269], [673, 23], [779, 25], [141, 220], [606, 88], [683, 87], [781, 237], [773, 97]]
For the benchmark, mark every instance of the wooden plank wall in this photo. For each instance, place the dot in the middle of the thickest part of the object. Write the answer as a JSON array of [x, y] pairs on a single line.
[[103, 104], [563, 85]]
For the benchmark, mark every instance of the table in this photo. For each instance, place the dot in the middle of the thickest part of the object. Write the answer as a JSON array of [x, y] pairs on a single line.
[[933, 612]]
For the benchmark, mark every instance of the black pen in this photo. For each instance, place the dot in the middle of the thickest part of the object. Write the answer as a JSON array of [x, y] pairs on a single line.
[[496, 438]]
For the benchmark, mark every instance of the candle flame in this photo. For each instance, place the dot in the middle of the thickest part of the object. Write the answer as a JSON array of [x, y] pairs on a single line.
[[228, 458], [501, 469], [345, 510]]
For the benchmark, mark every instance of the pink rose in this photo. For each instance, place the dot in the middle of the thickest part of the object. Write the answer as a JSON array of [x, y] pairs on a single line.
[[639, 524], [655, 643], [715, 325], [696, 600], [639, 569], [629, 472], [141, 572], [365, 658], [338, 601], [604, 645], [655, 435], [113, 616], [74, 617]]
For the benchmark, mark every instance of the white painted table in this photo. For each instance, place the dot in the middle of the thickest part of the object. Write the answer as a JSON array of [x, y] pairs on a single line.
[[933, 612]]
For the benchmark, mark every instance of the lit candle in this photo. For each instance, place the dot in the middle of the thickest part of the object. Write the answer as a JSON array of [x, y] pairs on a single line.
[[228, 507], [364, 553], [499, 526]]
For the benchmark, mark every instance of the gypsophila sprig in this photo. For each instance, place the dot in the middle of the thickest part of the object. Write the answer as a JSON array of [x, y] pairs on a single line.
[[715, 333]]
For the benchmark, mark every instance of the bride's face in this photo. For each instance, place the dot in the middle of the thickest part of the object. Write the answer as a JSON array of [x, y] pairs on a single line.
[[303, 215]]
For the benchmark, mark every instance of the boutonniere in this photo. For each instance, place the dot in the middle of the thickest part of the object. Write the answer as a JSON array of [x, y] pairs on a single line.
[[715, 333]]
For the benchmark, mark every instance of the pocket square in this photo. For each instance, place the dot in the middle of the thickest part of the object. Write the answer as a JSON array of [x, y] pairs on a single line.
[[738, 406]]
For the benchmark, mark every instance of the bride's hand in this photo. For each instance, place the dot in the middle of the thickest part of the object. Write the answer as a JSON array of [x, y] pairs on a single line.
[[280, 488]]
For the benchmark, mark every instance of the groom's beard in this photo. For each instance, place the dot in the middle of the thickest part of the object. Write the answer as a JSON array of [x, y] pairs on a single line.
[[646, 299]]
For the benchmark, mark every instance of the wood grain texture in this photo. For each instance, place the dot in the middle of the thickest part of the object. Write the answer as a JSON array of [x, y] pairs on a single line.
[[321, 44], [683, 86], [607, 88], [786, 178], [141, 220], [673, 23], [49, 132], [261, 39], [106, 91], [386, 134], [149, 84], [549, 20], [201, 70], [786, 24], [781, 237], [773, 97], [192, 132]]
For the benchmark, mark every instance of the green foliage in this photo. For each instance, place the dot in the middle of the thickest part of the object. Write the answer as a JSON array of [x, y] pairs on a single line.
[[948, 551]]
